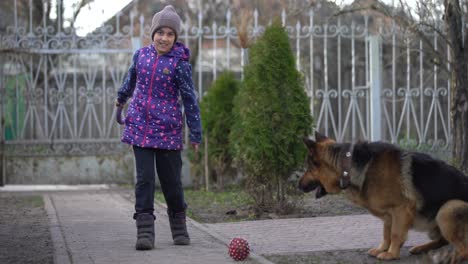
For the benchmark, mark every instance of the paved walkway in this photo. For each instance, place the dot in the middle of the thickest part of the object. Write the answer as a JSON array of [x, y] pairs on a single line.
[[96, 227], [312, 234]]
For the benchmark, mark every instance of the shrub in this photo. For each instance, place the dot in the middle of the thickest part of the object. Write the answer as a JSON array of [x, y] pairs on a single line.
[[272, 113], [216, 110]]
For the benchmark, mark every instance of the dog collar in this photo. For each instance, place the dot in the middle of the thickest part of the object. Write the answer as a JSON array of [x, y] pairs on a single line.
[[346, 167]]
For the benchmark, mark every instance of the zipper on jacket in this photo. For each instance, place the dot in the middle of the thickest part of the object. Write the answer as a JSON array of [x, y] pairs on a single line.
[[150, 91]]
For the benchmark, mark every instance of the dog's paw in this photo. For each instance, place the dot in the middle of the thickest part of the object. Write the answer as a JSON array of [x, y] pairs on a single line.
[[387, 256], [374, 251], [416, 250]]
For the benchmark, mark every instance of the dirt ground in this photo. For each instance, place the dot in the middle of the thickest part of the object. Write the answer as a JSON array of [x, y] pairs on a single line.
[[24, 229], [306, 206]]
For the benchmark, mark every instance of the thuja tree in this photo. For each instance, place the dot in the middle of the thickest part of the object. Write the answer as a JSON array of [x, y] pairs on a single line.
[[272, 114], [216, 110]]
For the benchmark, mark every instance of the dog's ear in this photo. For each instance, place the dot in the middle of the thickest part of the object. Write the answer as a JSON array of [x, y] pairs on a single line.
[[309, 143], [319, 137]]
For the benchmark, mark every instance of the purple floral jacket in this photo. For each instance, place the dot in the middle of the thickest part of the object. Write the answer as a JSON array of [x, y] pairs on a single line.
[[154, 116]]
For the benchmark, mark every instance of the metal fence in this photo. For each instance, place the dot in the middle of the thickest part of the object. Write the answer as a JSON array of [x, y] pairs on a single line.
[[365, 80]]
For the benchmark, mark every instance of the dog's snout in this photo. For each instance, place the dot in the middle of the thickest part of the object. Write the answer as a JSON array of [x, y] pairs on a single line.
[[309, 186], [320, 192], [299, 185]]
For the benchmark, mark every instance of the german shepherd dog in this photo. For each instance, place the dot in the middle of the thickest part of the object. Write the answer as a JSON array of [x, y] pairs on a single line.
[[404, 189]]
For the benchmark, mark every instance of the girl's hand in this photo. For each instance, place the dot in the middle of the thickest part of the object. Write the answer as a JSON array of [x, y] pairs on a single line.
[[118, 113], [117, 104], [195, 146]]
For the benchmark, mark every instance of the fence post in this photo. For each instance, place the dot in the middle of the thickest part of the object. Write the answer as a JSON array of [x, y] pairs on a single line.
[[375, 76], [2, 125]]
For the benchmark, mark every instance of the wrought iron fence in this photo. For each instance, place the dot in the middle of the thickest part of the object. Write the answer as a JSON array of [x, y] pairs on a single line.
[[365, 80]]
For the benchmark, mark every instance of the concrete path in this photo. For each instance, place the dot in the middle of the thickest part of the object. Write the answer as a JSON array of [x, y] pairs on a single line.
[[96, 227]]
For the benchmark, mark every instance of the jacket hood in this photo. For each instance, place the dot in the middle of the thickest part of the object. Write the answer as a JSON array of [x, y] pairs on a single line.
[[179, 50]]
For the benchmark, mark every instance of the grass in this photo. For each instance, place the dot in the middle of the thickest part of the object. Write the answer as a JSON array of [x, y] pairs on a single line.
[[212, 206], [34, 201], [25, 202]]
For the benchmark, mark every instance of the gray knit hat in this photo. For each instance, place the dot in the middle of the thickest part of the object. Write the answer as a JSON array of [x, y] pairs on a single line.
[[166, 18]]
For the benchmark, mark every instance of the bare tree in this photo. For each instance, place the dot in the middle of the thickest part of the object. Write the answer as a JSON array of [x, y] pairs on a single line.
[[454, 27], [450, 13], [431, 14], [77, 7]]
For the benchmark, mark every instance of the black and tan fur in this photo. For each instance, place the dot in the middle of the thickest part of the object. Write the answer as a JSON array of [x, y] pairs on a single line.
[[452, 220], [406, 190]]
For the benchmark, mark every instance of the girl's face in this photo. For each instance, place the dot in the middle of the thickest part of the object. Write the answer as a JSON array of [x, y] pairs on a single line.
[[164, 39]]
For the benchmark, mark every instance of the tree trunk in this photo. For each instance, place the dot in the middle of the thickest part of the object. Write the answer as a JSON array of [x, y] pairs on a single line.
[[220, 171], [2, 148], [459, 81], [207, 172]]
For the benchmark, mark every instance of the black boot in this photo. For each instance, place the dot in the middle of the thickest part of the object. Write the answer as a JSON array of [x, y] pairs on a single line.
[[145, 232], [178, 225]]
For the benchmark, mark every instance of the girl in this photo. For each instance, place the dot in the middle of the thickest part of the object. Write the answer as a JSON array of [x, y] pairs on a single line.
[[160, 73]]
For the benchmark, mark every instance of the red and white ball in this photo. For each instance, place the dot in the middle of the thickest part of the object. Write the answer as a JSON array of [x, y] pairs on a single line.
[[239, 249]]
